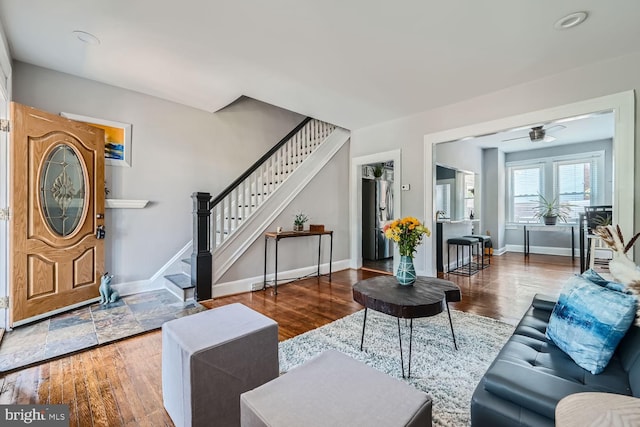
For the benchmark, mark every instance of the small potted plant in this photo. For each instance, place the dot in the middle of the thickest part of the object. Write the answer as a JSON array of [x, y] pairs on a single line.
[[299, 220], [378, 170], [550, 210]]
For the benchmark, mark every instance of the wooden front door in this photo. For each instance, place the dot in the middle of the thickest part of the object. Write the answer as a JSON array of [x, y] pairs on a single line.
[[57, 204]]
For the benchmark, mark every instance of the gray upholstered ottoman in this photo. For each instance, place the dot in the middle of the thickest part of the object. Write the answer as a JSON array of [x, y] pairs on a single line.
[[210, 358], [334, 390]]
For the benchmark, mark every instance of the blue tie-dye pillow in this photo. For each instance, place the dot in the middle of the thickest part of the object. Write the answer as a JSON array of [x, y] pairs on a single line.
[[594, 277], [588, 322]]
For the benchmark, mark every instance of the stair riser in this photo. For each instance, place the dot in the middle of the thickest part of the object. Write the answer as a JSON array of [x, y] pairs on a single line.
[[183, 294]]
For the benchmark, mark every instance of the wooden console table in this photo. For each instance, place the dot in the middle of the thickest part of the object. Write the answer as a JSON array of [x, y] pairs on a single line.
[[285, 234]]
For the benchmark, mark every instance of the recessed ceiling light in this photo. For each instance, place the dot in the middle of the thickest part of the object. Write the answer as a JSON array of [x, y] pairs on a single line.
[[85, 37], [570, 20]]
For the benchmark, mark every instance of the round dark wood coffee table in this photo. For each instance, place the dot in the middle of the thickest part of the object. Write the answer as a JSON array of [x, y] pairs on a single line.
[[427, 297]]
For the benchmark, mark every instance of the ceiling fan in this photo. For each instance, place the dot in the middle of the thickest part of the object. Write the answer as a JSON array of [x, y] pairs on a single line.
[[539, 134]]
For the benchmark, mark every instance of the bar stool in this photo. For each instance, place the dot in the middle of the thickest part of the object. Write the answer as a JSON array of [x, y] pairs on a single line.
[[485, 242], [461, 242]]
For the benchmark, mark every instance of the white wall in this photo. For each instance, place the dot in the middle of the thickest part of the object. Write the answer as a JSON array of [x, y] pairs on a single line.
[[176, 150], [595, 80]]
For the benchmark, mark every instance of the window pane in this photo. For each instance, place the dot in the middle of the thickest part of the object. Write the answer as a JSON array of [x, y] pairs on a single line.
[[526, 187], [526, 181], [574, 185], [62, 192]]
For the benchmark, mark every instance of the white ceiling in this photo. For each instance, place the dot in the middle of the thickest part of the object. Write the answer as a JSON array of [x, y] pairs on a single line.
[[571, 130], [352, 63]]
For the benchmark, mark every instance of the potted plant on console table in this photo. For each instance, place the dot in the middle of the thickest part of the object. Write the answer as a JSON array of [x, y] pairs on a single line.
[[551, 211], [299, 220]]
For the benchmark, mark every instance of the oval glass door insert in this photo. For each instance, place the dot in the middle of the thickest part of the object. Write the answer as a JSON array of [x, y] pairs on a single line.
[[62, 190]]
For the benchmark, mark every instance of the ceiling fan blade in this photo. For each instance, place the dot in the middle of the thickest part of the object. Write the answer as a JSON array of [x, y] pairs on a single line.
[[555, 128], [513, 139]]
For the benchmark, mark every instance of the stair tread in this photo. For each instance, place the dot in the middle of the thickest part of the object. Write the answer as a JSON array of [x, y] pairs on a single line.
[[186, 260], [180, 280]]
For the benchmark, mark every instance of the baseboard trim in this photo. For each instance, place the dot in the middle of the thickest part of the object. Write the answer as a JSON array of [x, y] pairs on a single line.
[[542, 250], [500, 251], [253, 283], [136, 287]]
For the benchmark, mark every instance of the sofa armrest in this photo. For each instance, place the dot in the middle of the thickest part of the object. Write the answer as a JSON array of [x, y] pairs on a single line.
[[537, 391], [544, 302]]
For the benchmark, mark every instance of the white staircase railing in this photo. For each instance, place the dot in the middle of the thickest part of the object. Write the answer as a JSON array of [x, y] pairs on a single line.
[[244, 197]]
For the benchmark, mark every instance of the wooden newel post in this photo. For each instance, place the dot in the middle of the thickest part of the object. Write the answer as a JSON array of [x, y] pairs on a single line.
[[201, 259]]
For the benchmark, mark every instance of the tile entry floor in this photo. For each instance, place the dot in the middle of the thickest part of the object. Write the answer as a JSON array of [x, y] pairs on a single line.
[[89, 326]]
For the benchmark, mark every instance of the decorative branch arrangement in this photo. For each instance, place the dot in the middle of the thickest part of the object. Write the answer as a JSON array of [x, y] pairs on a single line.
[[622, 268]]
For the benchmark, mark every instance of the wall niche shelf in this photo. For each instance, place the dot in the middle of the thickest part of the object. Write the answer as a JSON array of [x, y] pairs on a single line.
[[125, 204]]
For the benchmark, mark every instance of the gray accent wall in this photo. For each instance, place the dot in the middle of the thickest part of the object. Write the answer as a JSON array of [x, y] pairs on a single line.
[[326, 201], [493, 196], [605, 145], [176, 150]]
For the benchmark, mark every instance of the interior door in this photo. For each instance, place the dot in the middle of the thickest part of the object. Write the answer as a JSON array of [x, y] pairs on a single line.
[[57, 206]]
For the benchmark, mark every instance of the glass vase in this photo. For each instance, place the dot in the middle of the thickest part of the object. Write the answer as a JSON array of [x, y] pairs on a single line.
[[406, 273]]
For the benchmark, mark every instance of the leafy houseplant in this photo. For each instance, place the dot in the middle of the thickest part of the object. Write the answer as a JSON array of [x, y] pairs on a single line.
[[299, 220], [378, 170], [551, 210]]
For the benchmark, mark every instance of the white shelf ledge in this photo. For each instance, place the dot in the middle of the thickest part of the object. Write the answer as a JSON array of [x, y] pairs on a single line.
[[125, 204]]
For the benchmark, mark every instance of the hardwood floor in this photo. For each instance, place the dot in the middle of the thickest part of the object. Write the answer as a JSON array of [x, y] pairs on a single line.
[[120, 384]]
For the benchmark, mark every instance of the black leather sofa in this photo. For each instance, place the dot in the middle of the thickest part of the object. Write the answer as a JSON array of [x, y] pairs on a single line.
[[530, 375]]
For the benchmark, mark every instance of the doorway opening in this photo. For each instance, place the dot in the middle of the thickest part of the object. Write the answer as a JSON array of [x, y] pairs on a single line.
[[355, 207], [622, 107], [377, 211]]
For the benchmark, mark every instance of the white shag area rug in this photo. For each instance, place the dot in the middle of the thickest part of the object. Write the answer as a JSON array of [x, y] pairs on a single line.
[[447, 375]]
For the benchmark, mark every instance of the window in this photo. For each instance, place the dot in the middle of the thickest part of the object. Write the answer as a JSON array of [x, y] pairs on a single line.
[[525, 183], [577, 180]]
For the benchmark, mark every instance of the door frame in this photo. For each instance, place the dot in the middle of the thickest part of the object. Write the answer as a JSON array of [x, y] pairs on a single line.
[[623, 106], [355, 197], [4, 198]]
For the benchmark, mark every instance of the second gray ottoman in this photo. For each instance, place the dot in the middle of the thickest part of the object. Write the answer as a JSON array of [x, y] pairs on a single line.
[[210, 358], [334, 390]]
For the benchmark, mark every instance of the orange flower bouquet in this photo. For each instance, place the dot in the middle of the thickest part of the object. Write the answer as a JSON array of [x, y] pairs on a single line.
[[407, 233]]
